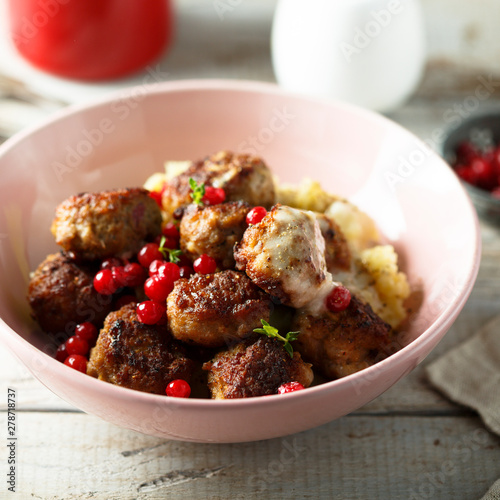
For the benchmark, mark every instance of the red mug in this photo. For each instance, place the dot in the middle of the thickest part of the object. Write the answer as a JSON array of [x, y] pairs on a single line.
[[91, 39]]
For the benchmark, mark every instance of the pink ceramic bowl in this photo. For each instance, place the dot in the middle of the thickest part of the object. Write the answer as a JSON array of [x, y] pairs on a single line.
[[413, 195]]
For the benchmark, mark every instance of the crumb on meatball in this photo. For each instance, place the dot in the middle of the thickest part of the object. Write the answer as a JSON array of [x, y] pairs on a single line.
[[216, 309], [284, 254], [255, 368], [339, 344], [213, 230], [243, 178], [106, 224], [138, 356], [61, 295]]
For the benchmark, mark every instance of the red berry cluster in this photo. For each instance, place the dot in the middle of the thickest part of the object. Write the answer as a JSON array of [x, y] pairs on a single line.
[[154, 272], [481, 169], [114, 275], [212, 196], [74, 352]]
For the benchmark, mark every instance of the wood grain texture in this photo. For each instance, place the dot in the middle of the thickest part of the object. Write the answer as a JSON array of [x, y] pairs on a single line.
[[76, 456]]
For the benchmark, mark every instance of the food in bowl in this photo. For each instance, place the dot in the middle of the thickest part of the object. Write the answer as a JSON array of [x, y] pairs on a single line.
[[218, 282]]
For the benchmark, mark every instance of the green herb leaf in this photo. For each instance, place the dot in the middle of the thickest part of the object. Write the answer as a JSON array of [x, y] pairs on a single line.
[[273, 333], [173, 254], [198, 191], [291, 336]]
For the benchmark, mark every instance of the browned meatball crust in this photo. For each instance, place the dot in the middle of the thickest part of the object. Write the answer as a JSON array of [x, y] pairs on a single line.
[[213, 230], [338, 344], [61, 295], [255, 368], [138, 356], [243, 177], [106, 224], [216, 309], [337, 253]]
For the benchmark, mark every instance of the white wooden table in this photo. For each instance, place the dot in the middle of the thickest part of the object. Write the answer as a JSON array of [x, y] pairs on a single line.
[[410, 443]]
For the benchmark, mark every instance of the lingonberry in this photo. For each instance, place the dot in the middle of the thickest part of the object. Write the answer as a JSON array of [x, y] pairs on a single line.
[[339, 299], [290, 387], [111, 262], [170, 243], [170, 230], [153, 267], [86, 331], [184, 261], [77, 361], [104, 282], [77, 345], [178, 389], [466, 174], [484, 171], [169, 271], [256, 215], [205, 264], [61, 353], [465, 151], [134, 274], [148, 253], [157, 196], [158, 287], [186, 271], [150, 312], [213, 195], [478, 168], [119, 278]]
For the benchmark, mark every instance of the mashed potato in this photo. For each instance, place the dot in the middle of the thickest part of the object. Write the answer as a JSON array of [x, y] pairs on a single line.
[[172, 169], [374, 276], [391, 285], [308, 196]]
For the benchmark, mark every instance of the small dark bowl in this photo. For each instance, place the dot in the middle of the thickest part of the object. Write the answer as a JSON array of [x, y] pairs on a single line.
[[486, 205]]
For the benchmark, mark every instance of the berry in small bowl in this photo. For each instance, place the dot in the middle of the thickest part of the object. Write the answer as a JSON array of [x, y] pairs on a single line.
[[473, 151]]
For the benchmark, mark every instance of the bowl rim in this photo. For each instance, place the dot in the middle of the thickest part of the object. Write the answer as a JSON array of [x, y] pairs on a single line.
[[446, 317]]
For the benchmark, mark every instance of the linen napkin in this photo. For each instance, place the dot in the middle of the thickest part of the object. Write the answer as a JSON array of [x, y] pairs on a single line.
[[470, 375]]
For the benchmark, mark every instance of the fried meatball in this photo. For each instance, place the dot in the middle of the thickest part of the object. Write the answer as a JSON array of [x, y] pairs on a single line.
[[255, 368], [213, 230], [216, 309], [337, 253], [243, 177], [284, 254], [338, 344], [138, 356], [106, 224], [61, 295]]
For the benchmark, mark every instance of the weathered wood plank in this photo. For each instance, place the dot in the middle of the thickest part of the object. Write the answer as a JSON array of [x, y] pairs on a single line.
[[75, 456]]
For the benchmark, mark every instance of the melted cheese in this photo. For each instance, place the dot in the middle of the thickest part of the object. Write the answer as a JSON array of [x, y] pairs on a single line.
[[295, 249]]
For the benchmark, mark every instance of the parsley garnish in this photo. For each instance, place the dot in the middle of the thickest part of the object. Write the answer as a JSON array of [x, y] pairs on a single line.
[[198, 191], [173, 255], [272, 332]]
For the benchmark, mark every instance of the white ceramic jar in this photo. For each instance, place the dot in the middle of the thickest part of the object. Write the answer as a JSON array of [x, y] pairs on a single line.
[[368, 52]]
